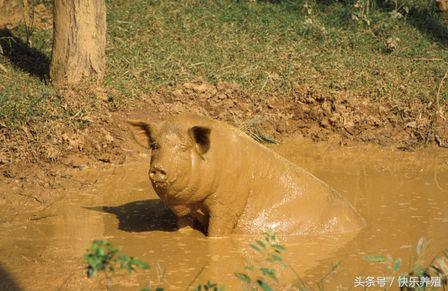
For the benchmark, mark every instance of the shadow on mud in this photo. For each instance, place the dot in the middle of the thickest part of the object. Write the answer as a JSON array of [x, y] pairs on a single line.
[[24, 57], [143, 215], [7, 283]]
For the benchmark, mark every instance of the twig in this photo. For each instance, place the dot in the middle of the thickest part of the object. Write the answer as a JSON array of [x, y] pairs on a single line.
[[68, 278], [3, 68], [319, 284], [42, 217], [436, 180], [107, 281], [29, 20], [30, 197], [428, 59], [299, 279], [195, 277], [440, 88]]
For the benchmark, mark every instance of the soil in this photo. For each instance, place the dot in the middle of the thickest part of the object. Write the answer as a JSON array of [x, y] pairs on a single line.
[[42, 154]]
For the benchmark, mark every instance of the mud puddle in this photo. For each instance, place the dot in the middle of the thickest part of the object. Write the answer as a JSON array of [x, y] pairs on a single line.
[[403, 196]]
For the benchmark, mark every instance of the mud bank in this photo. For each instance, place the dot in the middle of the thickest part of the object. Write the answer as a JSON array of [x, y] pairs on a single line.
[[90, 128], [44, 154]]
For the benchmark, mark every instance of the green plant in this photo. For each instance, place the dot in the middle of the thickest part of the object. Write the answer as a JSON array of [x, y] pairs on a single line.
[[209, 286], [418, 273], [263, 273], [104, 258], [149, 289], [252, 127]]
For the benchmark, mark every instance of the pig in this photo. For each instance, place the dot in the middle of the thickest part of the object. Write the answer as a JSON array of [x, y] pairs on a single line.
[[214, 175]]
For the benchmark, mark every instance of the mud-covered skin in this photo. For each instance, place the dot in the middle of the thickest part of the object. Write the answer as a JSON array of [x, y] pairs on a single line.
[[208, 171]]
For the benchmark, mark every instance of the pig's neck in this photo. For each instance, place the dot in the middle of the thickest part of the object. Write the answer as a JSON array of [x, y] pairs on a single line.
[[231, 175]]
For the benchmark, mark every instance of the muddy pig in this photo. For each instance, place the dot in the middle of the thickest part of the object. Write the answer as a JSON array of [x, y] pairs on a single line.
[[209, 172]]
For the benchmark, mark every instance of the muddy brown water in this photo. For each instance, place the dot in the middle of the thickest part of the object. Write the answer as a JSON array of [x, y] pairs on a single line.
[[402, 195]]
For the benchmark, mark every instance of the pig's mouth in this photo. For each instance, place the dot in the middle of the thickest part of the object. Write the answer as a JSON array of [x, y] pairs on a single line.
[[160, 185], [164, 184]]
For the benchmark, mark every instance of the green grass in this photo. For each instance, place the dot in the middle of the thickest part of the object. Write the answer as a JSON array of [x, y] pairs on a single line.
[[266, 47]]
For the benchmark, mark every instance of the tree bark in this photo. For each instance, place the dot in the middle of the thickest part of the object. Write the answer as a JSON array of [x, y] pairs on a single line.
[[79, 41]]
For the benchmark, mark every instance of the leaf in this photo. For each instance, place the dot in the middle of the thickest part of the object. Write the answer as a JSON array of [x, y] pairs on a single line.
[[270, 273], [375, 258], [243, 277], [142, 265], [261, 244], [419, 270], [270, 236], [397, 264], [265, 286], [255, 248], [278, 247], [274, 258], [440, 264], [250, 268], [421, 246], [211, 285]]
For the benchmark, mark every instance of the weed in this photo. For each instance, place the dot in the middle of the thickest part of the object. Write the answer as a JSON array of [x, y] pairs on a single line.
[[104, 258], [419, 276], [209, 286], [262, 273], [253, 128]]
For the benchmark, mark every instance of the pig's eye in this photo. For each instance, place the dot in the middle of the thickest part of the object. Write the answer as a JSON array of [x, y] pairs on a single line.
[[184, 148], [154, 146]]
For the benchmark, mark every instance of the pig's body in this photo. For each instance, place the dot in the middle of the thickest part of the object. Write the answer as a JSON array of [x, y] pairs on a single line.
[[240, 186]]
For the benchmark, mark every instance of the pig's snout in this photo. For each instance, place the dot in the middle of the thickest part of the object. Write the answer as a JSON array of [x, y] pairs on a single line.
[[158, 174]]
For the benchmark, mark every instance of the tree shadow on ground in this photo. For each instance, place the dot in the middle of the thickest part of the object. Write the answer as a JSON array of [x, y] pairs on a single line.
[[7, 283], [27, 59], [424, 18], [428, 23], [143, 215], [432, 24]]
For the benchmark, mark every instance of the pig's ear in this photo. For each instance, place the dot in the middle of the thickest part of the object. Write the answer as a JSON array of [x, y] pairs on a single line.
[[143, 132], [201, 138]]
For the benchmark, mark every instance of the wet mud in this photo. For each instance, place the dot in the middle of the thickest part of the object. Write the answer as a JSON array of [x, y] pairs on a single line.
[[402, 195]]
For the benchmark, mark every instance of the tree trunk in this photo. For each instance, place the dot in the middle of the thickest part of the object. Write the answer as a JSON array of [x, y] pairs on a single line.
[[79, 41]]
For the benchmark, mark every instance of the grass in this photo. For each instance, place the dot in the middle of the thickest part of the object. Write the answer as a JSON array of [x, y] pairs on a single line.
[[267, 47]]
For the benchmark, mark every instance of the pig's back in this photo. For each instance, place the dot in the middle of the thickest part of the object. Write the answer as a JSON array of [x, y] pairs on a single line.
[[288, 199]]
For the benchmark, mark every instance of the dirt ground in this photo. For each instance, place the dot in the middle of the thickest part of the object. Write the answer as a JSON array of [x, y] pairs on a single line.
[[42, 156]]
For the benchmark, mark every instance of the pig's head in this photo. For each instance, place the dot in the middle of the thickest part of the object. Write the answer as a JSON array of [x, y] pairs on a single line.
[[178, 154]]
